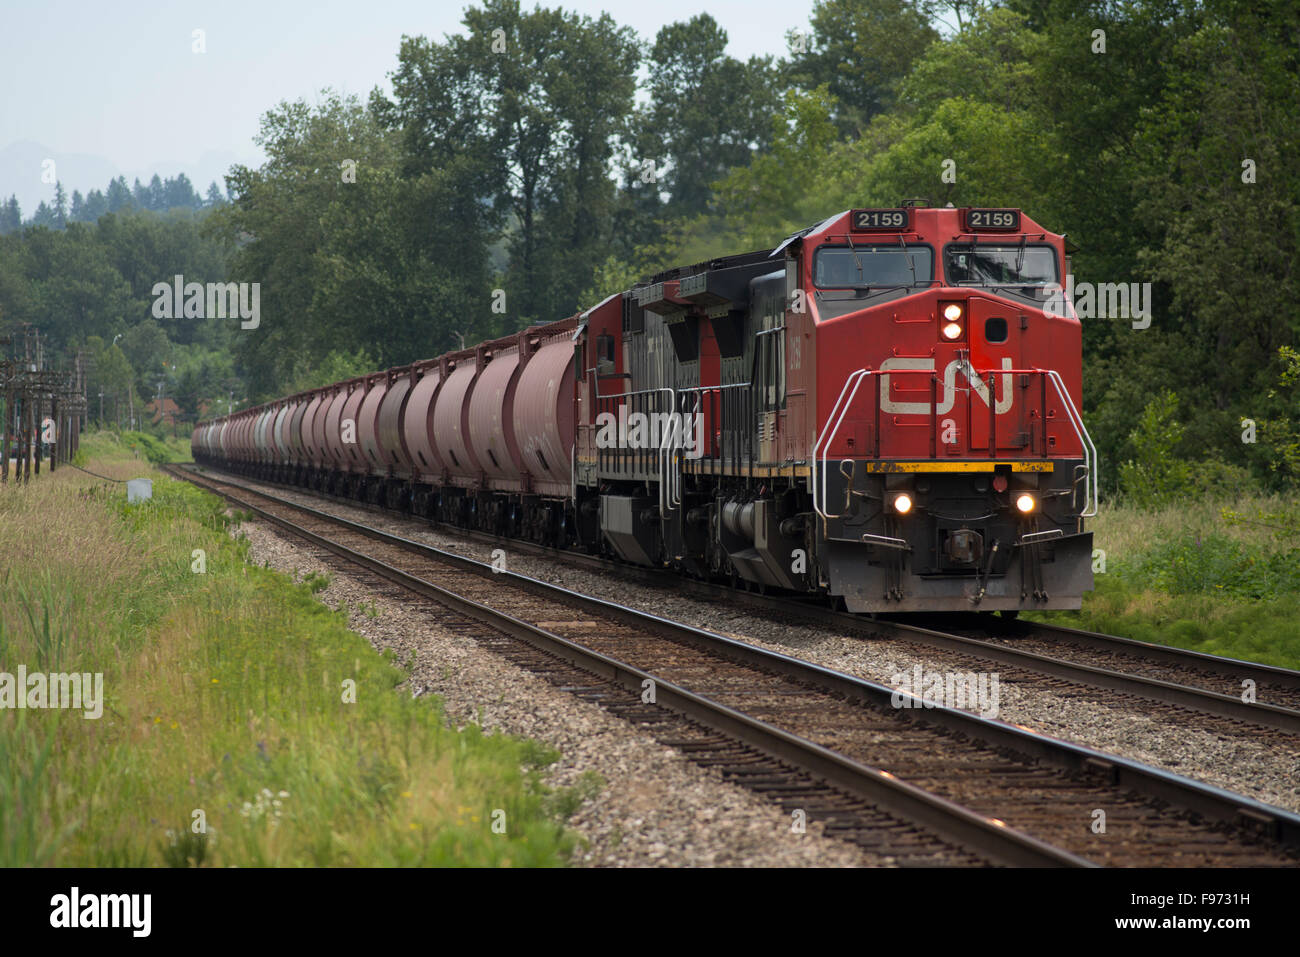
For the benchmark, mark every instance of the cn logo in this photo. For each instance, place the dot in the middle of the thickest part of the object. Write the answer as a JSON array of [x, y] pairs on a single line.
[[975, 383]]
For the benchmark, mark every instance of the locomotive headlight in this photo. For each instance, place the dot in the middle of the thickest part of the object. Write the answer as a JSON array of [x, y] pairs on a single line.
[[952, 330], [902, 503], [1025, 502], [952, 312]]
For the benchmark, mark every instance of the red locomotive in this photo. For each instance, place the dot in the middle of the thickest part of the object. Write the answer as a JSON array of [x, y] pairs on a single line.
[[882, 409]]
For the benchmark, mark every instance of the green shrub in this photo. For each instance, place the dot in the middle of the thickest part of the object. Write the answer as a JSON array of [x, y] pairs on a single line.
[[1156, 476], [1215, 564], [151, 448]]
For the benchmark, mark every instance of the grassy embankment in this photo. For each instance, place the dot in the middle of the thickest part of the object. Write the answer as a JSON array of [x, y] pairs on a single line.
[[1192, 576], [224, 693]]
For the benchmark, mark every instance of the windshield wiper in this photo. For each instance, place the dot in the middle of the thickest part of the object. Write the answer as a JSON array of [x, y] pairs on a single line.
[[856, 261], [856, 292], [908, 256]]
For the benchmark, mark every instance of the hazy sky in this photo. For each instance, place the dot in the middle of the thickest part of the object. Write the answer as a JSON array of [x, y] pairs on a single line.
[[119, 79]]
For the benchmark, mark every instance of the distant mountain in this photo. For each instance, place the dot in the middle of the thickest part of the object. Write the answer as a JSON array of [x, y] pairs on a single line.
[[20, 172]]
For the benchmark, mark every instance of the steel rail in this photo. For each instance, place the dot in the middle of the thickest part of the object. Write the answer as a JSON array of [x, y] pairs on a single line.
[[1258, 713], [985, 835], [1210, 801]]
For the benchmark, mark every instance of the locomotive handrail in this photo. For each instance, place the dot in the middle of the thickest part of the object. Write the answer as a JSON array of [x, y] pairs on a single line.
[[854, 381], [1090, 460], [700, 392], [666, 474]]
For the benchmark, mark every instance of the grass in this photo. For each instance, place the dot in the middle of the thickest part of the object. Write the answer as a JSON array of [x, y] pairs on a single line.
[[243, 723], [1223, 578], [108, 445]]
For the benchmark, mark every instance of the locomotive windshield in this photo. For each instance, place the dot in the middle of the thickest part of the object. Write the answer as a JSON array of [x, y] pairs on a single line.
[[989, 265], [873, 266]]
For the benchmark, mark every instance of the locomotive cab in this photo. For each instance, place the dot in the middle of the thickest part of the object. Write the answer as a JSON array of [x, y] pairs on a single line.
[[951, 469]]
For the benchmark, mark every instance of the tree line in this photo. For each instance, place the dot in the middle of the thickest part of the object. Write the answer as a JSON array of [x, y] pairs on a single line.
[[523, 162], [88, 288], [158, 195], [541, 159]]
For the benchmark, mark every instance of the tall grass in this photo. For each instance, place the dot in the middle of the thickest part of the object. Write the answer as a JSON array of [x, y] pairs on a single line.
[[227, 706], [1221, 577]]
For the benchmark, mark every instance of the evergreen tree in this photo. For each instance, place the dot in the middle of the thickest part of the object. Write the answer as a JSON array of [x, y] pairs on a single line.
[[77, 212], [60, 206], [214, 195], [11, 217], [44, 216], [96, 206], [119, 195], [180, 192], [156, 193]]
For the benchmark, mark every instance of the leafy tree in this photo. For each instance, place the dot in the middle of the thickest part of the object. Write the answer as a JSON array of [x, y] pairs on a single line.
[[110, 374], [200, 376], [991, 61], [1280, 434], [332, 367], [526, 107], [708, 113], [782, 189], [989, 151], [1156, 475], [75, 290], [146, 347], [861, 50], [351, 254], [1205, 163]]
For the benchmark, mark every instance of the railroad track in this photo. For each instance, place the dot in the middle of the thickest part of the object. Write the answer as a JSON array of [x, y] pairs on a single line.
[[1228, 676], [930, 786], [1204, 690]]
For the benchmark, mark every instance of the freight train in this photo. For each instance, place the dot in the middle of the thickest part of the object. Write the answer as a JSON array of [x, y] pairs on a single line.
[[882, 410]]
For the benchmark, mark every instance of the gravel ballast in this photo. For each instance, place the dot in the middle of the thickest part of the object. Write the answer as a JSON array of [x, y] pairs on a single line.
[[655, 807], [1266, 773]]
